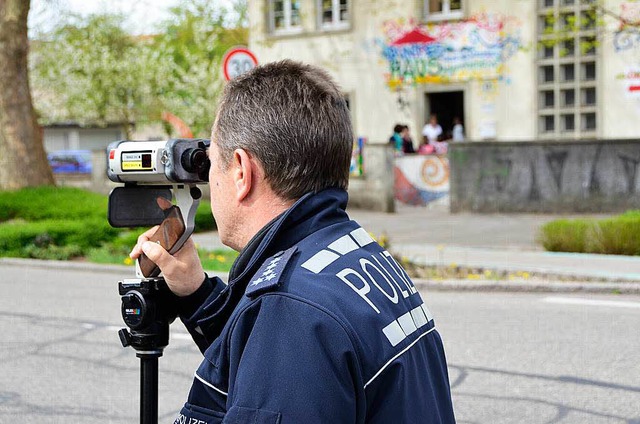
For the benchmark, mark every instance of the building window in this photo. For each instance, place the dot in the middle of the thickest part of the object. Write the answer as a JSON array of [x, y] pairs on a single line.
[[333, 14], [442, 10], [567, 69], [284, 16]]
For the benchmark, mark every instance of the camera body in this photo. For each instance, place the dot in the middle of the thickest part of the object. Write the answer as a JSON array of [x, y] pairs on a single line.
[[159, 162], [160, 188]]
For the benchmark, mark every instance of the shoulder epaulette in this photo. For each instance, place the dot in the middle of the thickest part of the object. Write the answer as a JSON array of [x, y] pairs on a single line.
[[270, 273]]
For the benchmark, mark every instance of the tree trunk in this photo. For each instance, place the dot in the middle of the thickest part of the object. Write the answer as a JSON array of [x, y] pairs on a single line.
[[23, 161]]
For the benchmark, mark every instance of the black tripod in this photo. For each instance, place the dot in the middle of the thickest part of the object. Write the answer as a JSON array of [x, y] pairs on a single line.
[[147, 311]]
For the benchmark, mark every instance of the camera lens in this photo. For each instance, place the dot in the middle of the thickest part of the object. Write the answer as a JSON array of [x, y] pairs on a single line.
[[194, 160]]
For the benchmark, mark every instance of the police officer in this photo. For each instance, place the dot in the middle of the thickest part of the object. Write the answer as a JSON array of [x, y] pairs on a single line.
[[318, 324]]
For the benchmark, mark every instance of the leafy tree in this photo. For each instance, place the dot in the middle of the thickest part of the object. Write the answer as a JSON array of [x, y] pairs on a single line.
[[23, 161], [90, 71], [191, 45]]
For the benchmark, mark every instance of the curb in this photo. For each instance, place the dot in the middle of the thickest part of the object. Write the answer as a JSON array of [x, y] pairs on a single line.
[[426, 285], [124, 271], [530, 287]]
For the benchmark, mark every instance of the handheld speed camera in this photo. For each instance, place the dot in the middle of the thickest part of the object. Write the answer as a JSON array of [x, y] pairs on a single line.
[[155, 173]]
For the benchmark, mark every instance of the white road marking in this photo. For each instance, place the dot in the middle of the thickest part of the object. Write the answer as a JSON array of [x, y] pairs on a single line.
[[591, 302]]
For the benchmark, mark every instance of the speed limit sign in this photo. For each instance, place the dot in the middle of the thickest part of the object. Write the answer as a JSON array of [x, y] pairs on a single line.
[[237, 61]]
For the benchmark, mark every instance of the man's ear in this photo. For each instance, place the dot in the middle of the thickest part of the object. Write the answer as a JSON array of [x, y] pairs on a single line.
[[243, 173]]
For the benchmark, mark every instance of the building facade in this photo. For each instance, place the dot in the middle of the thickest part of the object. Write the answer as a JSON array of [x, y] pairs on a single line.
[[511, 70]]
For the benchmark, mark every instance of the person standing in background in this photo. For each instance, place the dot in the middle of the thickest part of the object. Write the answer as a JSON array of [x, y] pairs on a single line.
[[407, 142], [458, 130], [396, 139], [432, 131]]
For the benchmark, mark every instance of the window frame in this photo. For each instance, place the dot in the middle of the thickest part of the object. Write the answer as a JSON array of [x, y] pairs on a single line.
[[446, 14], [287, 10], [336, 24], [575, 76]]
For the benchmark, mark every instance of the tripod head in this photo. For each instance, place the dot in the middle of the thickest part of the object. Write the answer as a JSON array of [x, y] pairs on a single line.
[[147, 310]]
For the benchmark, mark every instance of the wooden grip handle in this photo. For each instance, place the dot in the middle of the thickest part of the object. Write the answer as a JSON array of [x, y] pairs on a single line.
[[169, 232]]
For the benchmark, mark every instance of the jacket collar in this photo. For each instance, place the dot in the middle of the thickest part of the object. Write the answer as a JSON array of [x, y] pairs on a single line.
[[310, 213]]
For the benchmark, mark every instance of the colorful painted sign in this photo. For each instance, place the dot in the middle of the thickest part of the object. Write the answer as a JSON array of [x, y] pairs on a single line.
[[421, 179], [472, 49]]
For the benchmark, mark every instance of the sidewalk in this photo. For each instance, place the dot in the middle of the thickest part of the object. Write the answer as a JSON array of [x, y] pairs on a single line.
[[497, 242]]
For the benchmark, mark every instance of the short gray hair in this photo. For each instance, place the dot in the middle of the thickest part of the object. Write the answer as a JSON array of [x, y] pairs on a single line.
[[293, 118]]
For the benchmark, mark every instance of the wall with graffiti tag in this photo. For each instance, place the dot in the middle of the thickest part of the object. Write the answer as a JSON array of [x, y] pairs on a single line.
[[550, 176]]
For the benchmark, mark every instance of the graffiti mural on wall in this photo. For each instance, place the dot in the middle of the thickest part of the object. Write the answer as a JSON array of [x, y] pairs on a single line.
[[421, 179], [473, 49], [631, 80], [627, 36]]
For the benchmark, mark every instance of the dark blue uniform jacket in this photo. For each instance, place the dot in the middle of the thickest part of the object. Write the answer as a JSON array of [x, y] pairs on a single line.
[[319, 324]]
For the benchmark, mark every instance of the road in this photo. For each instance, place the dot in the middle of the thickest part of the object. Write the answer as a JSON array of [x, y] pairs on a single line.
[[534, 358]]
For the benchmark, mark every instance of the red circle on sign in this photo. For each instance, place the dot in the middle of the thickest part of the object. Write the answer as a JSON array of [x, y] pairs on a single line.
[[230, 54]]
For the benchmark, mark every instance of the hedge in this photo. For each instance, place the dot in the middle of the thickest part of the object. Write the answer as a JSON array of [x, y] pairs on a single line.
[[63, 222], [619, 235]]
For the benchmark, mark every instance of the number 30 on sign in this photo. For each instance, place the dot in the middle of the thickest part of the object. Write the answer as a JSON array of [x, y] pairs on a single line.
[[237, 61]]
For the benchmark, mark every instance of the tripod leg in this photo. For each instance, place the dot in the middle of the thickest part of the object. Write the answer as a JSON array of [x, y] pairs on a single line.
[[148, 390]]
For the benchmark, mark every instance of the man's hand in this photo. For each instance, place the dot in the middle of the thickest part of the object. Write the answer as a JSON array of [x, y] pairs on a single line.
[[182, 271]]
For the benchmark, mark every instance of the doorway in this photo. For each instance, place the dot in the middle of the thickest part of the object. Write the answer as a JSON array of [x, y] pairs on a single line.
[[446, 105]]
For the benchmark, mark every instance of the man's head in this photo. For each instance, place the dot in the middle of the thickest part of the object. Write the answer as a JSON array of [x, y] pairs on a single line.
[[289, 126], [294, 120]]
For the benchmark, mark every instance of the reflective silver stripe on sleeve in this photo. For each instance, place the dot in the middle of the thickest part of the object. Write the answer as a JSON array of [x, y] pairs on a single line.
[[418, 316], [320, 261], [394, 333], [343, 245], [361, 237], [427, 312], [407, 324], [206, 383]]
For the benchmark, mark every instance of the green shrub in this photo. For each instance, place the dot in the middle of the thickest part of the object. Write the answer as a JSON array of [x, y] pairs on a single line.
[[616, 236], [33, 239], [619, 235], [40, 203], [564, 235], [63, 222]]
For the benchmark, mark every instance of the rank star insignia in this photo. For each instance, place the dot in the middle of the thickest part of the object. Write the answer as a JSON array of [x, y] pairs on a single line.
[[257, 281], [273, 264], [270, 276]]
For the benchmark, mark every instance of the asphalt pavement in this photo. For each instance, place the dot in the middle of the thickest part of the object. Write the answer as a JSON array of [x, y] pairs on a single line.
[[512, 357]]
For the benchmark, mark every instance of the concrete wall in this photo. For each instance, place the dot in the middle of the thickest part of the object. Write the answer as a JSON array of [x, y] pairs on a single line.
[[374, 190], [550, 176]]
